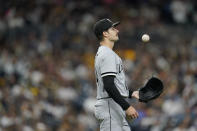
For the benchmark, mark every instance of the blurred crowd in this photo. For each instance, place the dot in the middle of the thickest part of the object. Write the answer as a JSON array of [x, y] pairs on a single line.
[[47, 50]]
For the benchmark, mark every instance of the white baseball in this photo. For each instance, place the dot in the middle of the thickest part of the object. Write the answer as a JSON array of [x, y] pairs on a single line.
[[145, 37]]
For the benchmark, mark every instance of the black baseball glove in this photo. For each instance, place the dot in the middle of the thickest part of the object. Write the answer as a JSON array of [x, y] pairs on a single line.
[[152, 89]]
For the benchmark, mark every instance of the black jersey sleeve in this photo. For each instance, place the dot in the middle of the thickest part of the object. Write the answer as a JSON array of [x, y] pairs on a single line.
[[113, 92]]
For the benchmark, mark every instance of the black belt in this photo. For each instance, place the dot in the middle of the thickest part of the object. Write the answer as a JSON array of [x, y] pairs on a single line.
[[110, 97]]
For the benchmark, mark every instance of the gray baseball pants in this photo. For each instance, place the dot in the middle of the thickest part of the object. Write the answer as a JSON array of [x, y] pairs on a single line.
[[111, 116]]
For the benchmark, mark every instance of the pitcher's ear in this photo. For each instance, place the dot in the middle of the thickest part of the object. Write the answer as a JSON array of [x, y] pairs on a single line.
[[105, 33]]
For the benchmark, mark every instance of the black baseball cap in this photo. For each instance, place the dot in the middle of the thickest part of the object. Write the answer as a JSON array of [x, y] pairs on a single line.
[[103, 25]]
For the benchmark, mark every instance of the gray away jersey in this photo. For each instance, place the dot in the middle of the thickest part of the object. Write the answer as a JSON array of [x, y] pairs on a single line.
[[107, 62]]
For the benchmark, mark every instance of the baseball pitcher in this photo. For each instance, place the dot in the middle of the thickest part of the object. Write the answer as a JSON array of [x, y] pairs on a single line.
[[111, 108]]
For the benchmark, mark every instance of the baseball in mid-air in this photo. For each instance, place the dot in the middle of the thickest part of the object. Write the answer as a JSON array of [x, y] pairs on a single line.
[[145, 37]]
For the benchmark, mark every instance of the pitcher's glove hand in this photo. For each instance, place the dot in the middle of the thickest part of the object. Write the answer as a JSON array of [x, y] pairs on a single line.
[[152, 90]]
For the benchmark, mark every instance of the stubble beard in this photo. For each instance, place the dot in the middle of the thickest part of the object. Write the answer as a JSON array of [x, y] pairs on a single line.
[[116, 39]]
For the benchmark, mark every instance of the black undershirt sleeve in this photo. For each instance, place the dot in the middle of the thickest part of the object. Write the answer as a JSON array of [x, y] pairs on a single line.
[[113, 92], [130, 93]]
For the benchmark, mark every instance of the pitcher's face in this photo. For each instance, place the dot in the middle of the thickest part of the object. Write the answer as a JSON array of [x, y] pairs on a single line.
[[113, 34]]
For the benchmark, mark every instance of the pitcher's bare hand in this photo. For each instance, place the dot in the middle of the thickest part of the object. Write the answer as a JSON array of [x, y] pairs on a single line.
[[131, 113]]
